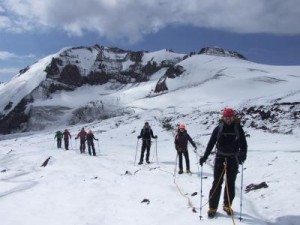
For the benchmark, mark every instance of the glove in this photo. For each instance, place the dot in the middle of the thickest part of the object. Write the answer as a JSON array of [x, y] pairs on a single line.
[[97, 139], [242, 157], [202, 160], [195, 148], [139, 137], [76, 137], [155, 137]]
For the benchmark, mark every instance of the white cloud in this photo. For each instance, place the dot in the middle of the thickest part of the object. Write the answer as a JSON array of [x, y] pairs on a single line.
[[4, 55], [133, 19], [9, 70]]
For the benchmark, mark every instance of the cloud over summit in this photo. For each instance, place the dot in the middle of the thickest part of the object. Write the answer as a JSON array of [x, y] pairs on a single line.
[[132, 19]]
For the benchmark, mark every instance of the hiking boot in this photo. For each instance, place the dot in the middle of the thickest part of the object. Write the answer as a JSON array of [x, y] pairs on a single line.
[[180, 172], [228, 210], [211, 212], [140, 163]]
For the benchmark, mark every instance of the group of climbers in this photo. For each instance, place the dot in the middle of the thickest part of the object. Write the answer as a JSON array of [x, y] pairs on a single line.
[[82, 135], [59, 135], [231, 150]]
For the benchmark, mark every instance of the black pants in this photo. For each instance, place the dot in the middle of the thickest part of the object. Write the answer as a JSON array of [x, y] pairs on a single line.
[[58, 142], [66, 140], [91, 145], [231, 172], [82, 146], [146, 145], [186, 157]]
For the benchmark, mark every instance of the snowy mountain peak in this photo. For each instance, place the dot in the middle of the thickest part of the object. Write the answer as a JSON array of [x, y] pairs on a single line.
[[217, 51], [86, 84]]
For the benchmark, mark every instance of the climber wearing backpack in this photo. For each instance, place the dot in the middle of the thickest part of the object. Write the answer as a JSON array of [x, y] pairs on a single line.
[[90, 142], [58, 136], [82, 135], [67, 136], [181, 146], [146, 134], [231, 150]]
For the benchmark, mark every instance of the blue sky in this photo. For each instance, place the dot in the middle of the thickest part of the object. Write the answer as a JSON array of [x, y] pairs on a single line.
[[264, 31]]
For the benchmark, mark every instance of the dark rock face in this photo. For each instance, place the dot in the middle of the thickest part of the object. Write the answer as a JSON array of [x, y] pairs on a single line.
[[16, 119], [95, 78], [221, 52], [271, 118], [172, 72], [53, 70], [71, 75]]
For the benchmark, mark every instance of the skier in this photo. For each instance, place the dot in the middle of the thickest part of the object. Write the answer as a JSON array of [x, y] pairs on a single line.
[[67, 135], [231, 150], [146, 134], [82, 135], [58, 136], [181, 146], [90, 142]]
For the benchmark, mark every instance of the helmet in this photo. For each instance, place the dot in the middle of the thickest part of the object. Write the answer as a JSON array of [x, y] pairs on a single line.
[[182, 126], [228, 112]]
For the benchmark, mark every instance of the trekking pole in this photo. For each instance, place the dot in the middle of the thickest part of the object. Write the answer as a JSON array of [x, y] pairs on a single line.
[[174, 175], [201, 192], [156, 152], [197, 161], [71, 143], [98, 146], [136, 149], [241, 197]]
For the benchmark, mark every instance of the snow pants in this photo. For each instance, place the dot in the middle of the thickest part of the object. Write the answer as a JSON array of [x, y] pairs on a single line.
[[66, 140], [58, 142], [219, 172], [185, 153], [82, 146], [91, 146], [146, 145]]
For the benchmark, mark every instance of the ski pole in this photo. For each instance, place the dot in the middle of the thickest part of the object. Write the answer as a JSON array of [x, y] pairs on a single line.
[[201, 192], [136, 149], [241, 197]]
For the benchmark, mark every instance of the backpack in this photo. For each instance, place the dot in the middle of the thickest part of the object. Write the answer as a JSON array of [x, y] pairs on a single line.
[[236, 130]]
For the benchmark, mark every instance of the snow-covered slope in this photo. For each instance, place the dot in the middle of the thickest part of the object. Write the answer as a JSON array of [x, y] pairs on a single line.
[[109, 189]]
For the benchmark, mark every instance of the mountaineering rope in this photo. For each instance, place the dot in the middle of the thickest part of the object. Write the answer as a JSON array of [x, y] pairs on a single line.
[[227, 191], [214, 189], [178, 188]]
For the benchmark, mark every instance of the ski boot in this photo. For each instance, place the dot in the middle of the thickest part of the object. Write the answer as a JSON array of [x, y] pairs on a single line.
[[228, 210], [211, 213]]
